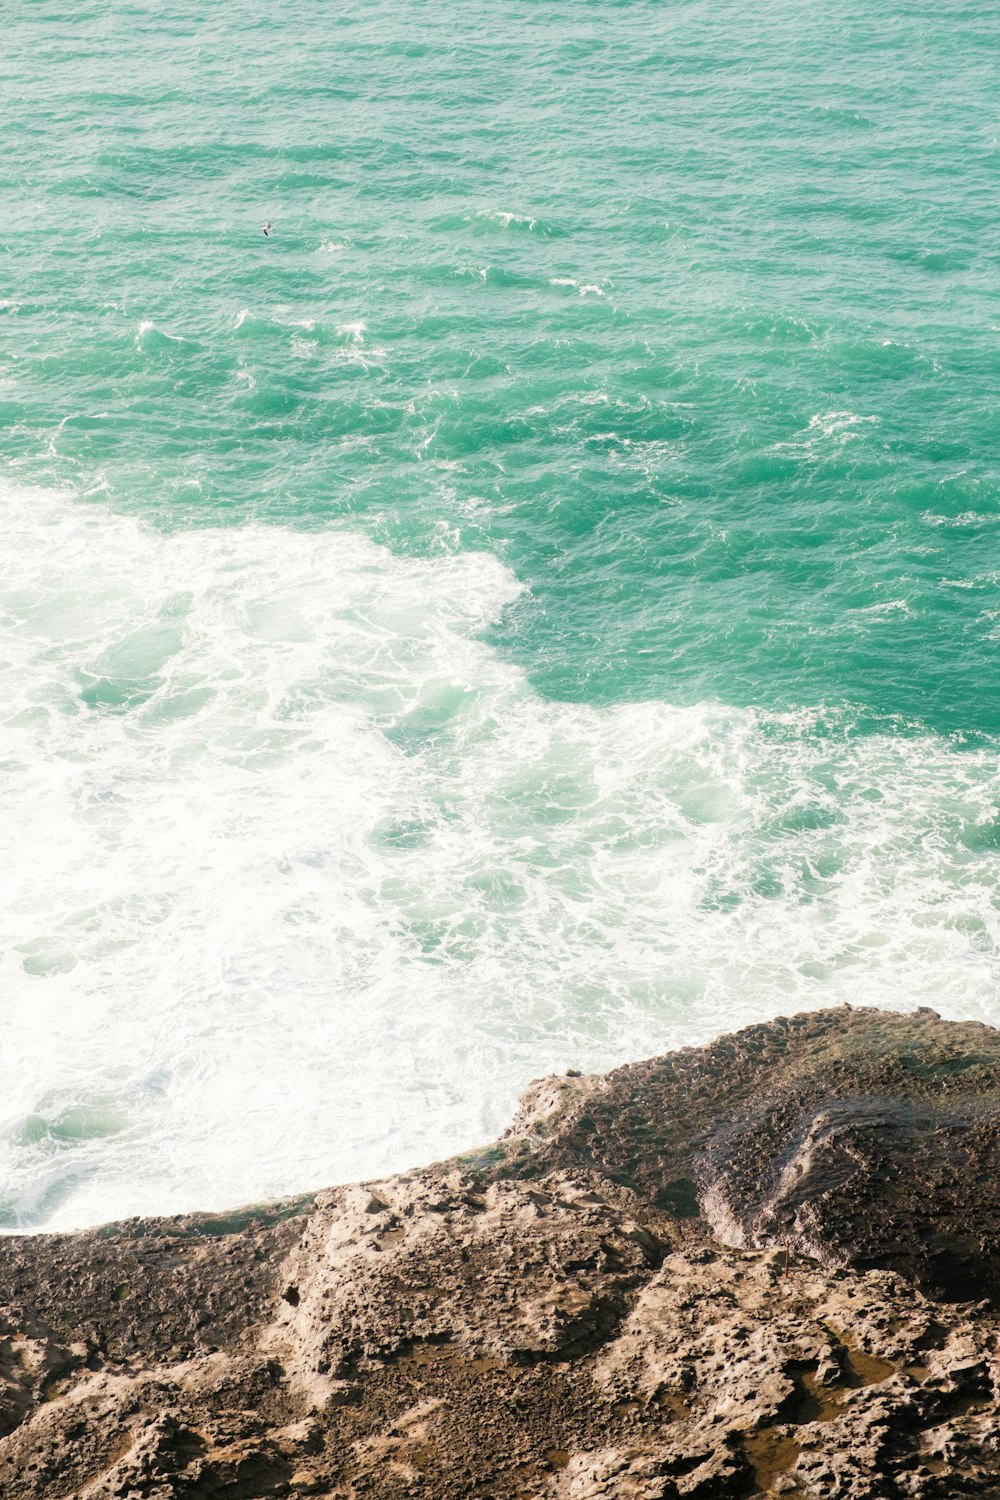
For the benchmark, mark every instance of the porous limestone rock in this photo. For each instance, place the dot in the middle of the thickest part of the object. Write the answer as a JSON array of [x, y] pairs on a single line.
[[764, 1267]]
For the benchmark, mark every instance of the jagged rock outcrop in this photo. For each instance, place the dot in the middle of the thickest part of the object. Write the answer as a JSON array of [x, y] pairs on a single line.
[[764, 1267]]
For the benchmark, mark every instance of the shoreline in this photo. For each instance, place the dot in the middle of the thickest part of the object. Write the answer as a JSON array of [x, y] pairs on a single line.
[[767, 1266]]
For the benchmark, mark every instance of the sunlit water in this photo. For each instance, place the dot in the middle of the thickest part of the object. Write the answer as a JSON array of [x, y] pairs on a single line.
[[537, 607]]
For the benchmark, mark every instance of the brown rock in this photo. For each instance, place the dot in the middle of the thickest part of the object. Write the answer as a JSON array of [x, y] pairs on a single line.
[[601, 1305]]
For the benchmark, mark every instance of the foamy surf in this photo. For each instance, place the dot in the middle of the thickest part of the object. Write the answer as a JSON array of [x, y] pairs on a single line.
[[302, 881]]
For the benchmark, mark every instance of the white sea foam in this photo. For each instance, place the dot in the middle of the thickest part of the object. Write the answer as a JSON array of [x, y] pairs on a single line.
[[886, 608], [148, 335], [507, 220], [302, 881], [838, 427], [582, 289]]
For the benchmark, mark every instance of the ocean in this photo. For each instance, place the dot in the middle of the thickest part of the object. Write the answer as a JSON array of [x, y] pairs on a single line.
[[536, 607]]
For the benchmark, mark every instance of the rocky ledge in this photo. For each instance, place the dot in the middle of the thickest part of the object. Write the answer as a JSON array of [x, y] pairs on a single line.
[[770, 1266]]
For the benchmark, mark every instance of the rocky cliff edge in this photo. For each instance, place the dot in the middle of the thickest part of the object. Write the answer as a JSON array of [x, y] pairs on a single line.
[[769, 1266]]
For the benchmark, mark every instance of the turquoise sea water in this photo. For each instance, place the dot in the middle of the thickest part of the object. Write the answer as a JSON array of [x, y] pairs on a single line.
[[538, 606]]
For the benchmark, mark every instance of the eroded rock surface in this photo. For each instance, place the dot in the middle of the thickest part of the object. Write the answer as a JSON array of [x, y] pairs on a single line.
[[764, 1267]]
